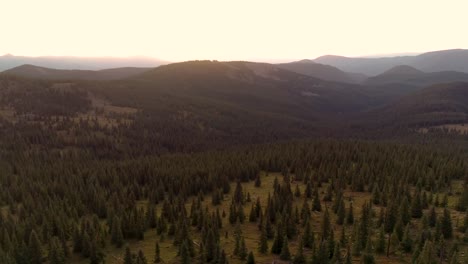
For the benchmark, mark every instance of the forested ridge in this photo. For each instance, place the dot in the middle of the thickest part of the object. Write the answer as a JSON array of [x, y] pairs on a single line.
[[231, 163]]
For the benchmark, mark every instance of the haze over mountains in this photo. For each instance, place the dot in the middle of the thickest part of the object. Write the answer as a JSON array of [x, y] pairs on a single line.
[[436, 61], [36, 72], [9, 61]]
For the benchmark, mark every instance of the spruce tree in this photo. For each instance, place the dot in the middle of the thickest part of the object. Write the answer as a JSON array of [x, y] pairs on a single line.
[[157, 254], [368, 256], [263, 242], [251, 258], [56, 255], [407, 242], [416, 206], [316, 206], [35, 249], [308, 236], [242, 249], [141, 259], [285, 253], [446, 224], [350, 215], [381, 245], [299, 258], [184, 253], [128, 259], [116, 233]]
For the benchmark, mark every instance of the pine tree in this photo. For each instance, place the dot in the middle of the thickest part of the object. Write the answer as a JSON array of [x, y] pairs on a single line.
[[416, 206], [297, 191], [326, 225], [407, 242], [380, 247], [348, 259], [316, 206], [242, 250], [184, 253], [277, 242], [427, 255], [263, 242], [151, 215], [350, 215], [299, 258], [251, 258], [432, 217], [210, 246], [35, 249], [258, 181], [128, 259], [446, 224], [252, 215], [285, 253], [368, 256], [238, 196], [56, 255], [462, 204], [116, 233], [308, 190], [157, 254], [141, 259], [308, 236], [96, 256], [341, 213]]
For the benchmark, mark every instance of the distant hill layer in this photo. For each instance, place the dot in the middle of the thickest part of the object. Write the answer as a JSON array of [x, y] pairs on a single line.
[[36, 72], [435, 105], [321, 71], [436, 61], [78, 63], [404, 74]]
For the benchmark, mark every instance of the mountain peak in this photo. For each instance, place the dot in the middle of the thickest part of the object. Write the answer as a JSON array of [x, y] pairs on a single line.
[[306, 61], [402, 69]]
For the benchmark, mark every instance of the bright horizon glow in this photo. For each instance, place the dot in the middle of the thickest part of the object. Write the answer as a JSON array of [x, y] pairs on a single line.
[[255, 30]]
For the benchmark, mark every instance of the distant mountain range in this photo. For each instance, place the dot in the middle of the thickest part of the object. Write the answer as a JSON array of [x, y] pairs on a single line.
[[207, 100], [9, 61], [404, 74], [321, 71], [36, 72], [436, 61]]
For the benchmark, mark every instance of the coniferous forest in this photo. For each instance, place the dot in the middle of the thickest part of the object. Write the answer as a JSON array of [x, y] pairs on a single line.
[[209, 168]]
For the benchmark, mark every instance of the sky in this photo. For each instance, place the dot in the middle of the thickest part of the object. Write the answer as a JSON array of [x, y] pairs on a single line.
[[176, 30]]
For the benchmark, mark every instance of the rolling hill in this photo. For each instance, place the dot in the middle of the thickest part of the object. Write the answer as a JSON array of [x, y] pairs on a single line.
[[436, 61], [36, 72], [435, 105], [404, 74], [321, 71], [183, 106]]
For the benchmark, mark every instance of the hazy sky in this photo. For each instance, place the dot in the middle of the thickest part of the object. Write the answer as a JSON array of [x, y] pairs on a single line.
[[230, 30]]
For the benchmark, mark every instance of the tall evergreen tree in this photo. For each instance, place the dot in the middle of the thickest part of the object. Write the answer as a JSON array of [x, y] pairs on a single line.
[[157, 254], [251, 258], [446, 224], [285, 253], [116, 233], [35, 248]]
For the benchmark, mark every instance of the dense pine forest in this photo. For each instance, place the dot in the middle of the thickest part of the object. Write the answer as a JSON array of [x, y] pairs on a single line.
[[273, 167], [307, 201]]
